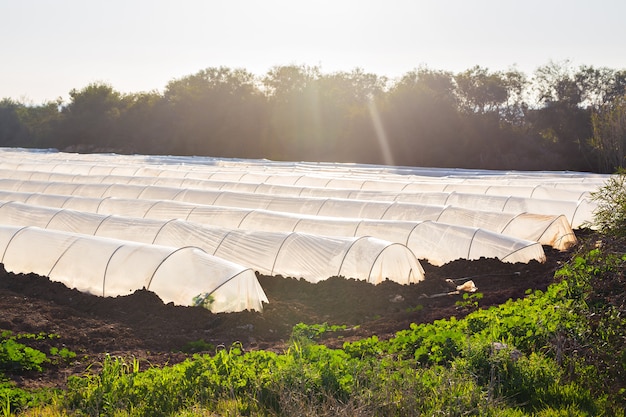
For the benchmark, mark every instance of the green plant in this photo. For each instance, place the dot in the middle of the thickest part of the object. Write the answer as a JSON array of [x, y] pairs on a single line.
[[61, 355], [303, 331], [6, 405], [470, 301], [17, 357], [204, 300], [197, 346], [14, 399], [610, 212], [491, 363]]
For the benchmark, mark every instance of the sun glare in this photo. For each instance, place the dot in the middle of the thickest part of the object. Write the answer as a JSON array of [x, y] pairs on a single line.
[[381, 135]]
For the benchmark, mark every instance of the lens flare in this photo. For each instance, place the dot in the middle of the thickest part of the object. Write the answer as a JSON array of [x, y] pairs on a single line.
[[380, 132]]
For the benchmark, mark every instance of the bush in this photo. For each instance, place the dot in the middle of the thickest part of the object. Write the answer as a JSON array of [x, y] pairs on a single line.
[[610, 213]]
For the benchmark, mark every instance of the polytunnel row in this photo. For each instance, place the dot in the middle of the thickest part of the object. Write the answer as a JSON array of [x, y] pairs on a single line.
[[112, 267], [500, 185], [93, 164], [546, 229], [574, 205], [308, 184], [316, 198], [571, 202], [319, 174], [300, 255], [437, 243]]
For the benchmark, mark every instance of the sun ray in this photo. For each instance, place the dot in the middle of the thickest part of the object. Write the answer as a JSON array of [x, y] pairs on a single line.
[[381, 135]]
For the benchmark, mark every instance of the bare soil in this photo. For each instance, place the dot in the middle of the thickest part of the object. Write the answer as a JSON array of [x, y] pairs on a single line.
[[141, 326]]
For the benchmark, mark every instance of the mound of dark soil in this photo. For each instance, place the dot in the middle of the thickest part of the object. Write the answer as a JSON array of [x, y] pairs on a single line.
[[141, 326]]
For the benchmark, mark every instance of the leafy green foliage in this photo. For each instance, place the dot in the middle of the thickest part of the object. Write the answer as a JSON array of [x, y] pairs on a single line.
[[14, 399], [204, 300], [64, 354], [470, 301], [610, 211], [17, 357], [196, 346], [601, 352], [609, 134], [490, 363], [301, 331]]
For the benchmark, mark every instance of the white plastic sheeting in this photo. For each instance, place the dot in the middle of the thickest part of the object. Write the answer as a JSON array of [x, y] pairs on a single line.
[[311, 175], [312, 257], [438, 243], [553, 230], [574, 204], [111, 267], [315, 174], [439, 214]]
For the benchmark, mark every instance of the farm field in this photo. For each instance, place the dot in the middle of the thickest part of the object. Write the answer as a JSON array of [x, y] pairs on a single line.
[[506, 232], [141, 326]]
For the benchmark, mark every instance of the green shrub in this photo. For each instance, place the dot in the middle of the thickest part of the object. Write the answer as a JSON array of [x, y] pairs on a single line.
[[610, 211]]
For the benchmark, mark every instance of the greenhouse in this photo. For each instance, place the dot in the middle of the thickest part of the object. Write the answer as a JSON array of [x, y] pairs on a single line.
[[218, 220], [309, 174], [553, 230], [574, 204], [438, 243], [311, 257], [111, 267]]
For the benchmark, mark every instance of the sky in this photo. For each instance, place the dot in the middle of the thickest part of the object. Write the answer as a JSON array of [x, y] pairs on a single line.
[[48, 48]]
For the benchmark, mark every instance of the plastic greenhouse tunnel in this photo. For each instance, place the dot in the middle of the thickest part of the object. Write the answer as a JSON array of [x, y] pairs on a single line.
[[290, 254], [553, 230], [195, 229], [110, 267], [437, 243]]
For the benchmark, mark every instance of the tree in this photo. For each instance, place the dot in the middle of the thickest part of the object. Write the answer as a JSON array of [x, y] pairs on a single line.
[[321, 116], [609, 135], [555, 83], [217, 111], [492, 113], [294, 125], [29, 126], [91, 117], [143, 125], [13, 132], [43, 123], [599, 86], [346, 102], [422, 118], [561, 119], [514, 111], [480, 91]]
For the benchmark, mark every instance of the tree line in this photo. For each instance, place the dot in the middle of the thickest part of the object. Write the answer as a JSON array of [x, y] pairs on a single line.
[[558, 118]]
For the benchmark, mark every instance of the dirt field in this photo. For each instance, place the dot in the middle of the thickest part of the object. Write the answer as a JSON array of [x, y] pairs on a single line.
[[141, 326]]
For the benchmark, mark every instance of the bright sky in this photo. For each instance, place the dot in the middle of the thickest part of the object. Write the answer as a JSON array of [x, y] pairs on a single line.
[[49, 47]]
